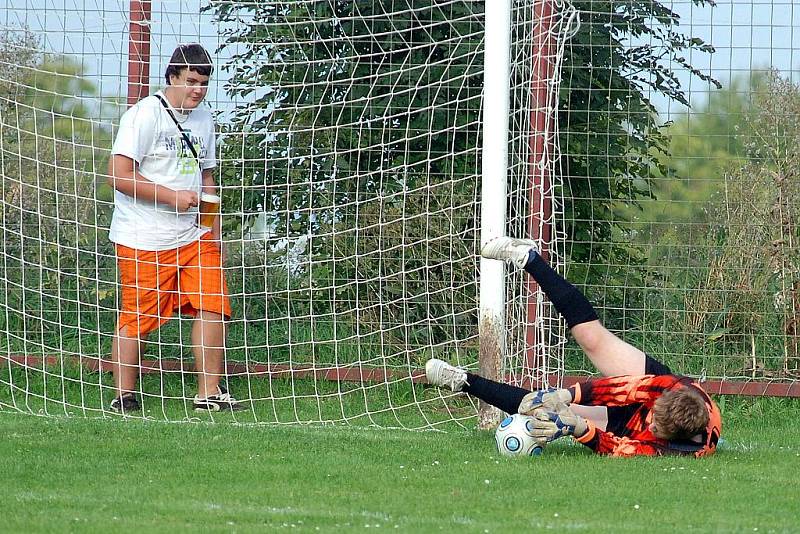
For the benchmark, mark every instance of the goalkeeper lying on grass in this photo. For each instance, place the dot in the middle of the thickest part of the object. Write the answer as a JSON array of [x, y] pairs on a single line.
[[638, 408]]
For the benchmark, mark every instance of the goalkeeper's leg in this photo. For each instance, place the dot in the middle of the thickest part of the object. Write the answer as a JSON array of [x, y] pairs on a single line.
[[504, 396], [611, 355], [508, 397]]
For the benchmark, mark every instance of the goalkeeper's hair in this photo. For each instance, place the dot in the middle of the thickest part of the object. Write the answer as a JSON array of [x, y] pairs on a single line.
[[680, 414], [189, 56]]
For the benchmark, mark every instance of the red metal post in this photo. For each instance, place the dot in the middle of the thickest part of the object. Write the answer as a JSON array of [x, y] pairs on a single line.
[[139, 51], [541, 145]]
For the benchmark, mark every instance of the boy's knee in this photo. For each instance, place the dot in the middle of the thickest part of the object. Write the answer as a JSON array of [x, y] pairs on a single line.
[[212, 317], [591, 336], [128, 333]]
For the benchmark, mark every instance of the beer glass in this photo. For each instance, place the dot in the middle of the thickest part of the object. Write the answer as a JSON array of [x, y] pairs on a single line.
[[209, 209]]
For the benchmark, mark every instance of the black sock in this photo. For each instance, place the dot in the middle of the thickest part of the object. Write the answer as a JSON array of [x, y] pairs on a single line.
[[503, 396], [568, 301]]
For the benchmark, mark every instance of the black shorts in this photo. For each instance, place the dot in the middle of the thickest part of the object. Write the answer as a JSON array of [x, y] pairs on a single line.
[[618, 416]]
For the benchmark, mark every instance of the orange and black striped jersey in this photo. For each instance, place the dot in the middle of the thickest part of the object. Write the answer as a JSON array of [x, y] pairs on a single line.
[[640, 393]]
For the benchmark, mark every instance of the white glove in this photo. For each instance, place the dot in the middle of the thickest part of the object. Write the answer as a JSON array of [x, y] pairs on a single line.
[[551, 425], [551, 399]]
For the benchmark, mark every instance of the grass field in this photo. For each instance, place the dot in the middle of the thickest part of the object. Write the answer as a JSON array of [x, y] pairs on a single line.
[[115, 475]]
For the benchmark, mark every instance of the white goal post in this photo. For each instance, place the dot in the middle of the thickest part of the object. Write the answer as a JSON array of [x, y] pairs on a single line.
[[366, 150]]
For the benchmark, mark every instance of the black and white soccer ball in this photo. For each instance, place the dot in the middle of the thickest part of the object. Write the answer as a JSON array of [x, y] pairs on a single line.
[[513, 437]]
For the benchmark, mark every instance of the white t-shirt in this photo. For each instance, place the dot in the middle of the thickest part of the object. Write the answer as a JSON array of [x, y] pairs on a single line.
[[148, 136]]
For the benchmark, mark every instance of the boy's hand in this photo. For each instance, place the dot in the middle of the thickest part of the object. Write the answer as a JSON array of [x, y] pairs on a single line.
[[551, 399], [185, 200], [550, 426]]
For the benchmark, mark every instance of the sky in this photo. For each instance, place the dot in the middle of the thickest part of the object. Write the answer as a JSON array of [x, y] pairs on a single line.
[[96, 31], [747, 34]]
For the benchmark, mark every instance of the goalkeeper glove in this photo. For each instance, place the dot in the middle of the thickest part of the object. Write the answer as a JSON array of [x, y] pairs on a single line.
[[551, 399], [551, 425]]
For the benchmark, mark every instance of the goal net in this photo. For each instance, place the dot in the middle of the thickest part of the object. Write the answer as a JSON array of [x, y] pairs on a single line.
[[349, 161]]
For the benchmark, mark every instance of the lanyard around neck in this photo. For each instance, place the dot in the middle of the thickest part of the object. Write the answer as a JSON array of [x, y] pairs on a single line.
[[180, 129]]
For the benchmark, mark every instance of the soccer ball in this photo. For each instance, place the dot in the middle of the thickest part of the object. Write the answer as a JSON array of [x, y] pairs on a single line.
[[513, 437]]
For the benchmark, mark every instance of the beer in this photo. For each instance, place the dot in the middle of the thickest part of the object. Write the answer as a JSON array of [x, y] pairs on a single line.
[[209, 209]]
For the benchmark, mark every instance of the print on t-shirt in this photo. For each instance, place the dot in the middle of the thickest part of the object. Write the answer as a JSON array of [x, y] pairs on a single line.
[[187, 164]]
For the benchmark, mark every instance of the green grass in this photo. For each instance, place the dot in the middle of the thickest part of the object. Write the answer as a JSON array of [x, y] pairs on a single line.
[[114, 475]]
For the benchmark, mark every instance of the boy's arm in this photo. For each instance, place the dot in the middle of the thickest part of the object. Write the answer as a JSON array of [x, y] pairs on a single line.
[[124, 176], [549, 426], [624, 390], [603, 442]]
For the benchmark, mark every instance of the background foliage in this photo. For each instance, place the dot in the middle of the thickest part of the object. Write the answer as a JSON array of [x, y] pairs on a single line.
[[614, 143], [55, 248], [740, 284], [317, 141], [364, 146]]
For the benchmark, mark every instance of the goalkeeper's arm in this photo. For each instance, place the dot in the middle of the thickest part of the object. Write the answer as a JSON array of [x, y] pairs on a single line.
[[603, 442], [550, 426]]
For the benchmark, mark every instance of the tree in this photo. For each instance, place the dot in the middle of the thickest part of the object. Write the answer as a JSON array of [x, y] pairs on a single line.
[[52, 223], [704, 144], [364, 139], [751, 252], [331, 105], [612, 138], [17, 58]]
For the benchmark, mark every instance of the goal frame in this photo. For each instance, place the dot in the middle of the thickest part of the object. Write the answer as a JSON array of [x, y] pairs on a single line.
[[491, 322]]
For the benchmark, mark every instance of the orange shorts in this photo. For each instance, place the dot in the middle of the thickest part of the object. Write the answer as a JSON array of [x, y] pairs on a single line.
[[157, 283]]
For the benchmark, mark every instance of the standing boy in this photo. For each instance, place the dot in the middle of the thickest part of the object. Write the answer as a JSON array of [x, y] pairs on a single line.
[[162, 161]]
